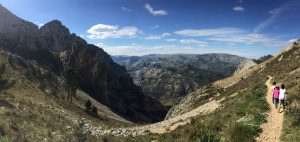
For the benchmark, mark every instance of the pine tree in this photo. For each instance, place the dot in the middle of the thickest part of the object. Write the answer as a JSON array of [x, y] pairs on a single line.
[[94, 111], [3, 82], [72, 81], [88, 106]]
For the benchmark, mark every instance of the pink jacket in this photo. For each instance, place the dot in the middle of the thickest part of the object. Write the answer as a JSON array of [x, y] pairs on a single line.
[[276, 93]]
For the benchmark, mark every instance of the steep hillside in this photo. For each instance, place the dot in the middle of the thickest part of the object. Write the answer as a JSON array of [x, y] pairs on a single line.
[[33, 105], [285, 69], [55, 48], [244, 104], [170, 77]]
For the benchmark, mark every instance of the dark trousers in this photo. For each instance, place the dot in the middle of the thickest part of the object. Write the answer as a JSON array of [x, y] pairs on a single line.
[[276, 102], [281, 103]]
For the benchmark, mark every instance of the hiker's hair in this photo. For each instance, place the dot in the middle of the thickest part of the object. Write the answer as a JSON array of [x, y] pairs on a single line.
[[282, 86], [274, 83], [277, 87]]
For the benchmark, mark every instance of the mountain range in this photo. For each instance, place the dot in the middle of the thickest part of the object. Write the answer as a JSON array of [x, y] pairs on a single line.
[[168, 78]]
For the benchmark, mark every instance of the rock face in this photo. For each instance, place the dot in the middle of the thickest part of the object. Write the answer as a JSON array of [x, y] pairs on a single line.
[[13, 27], [52, 45], [245, 65], [170, 77]]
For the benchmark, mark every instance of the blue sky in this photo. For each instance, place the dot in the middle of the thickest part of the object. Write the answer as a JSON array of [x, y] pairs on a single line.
[[249, 28]]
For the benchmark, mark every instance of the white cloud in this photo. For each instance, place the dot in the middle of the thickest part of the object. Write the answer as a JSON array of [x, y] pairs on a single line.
[[101, 31], [208, 32], [232, 36], [231, 44], [39, 24], [293, 40], [252, 38], [126, 9], [155, 27], [139, 50], [152, 37], [277, 14], [81, 35], [273, 43], [171, 40], [100, 44], [166, 34], [155, 12], [193, 41], [188, 41], [238, 8], [246, 38]]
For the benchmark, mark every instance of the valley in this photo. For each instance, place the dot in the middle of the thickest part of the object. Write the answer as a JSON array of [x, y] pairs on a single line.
[[56, 86], [169, 78]]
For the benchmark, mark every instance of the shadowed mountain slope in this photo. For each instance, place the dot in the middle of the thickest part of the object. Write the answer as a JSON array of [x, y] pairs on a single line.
[[54, 47]]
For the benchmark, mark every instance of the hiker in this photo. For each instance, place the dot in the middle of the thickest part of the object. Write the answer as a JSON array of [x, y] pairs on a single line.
[[276, 92], [273, 87], [282, 97]]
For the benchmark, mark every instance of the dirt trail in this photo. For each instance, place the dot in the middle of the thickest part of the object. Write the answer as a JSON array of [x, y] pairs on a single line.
[[172, 123], [159, 127], [271, 129]]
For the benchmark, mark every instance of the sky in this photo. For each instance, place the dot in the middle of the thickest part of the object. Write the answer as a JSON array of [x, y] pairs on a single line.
[[249, 28]]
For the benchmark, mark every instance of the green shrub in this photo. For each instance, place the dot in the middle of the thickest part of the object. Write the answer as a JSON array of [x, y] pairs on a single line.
[[204, 136], [4, 83], [2, 139], [294, 114], [238, 132]]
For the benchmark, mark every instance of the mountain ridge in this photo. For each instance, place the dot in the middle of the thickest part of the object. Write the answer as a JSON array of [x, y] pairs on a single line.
[[102, 78]]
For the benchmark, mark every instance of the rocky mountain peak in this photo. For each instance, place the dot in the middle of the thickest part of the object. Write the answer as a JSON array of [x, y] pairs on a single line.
[[55, 36], [54, 27]]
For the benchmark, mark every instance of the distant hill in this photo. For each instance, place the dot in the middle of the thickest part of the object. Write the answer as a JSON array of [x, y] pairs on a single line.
[[170, 77]]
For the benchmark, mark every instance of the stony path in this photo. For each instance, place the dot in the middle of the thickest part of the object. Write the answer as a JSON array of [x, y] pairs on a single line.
[[159, 127], [271, 129]]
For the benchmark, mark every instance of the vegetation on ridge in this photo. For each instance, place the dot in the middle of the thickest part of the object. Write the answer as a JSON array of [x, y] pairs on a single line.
[[286, 69]]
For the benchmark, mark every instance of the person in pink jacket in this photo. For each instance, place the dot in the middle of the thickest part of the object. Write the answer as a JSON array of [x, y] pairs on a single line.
[[274, 84], [276, 91]]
